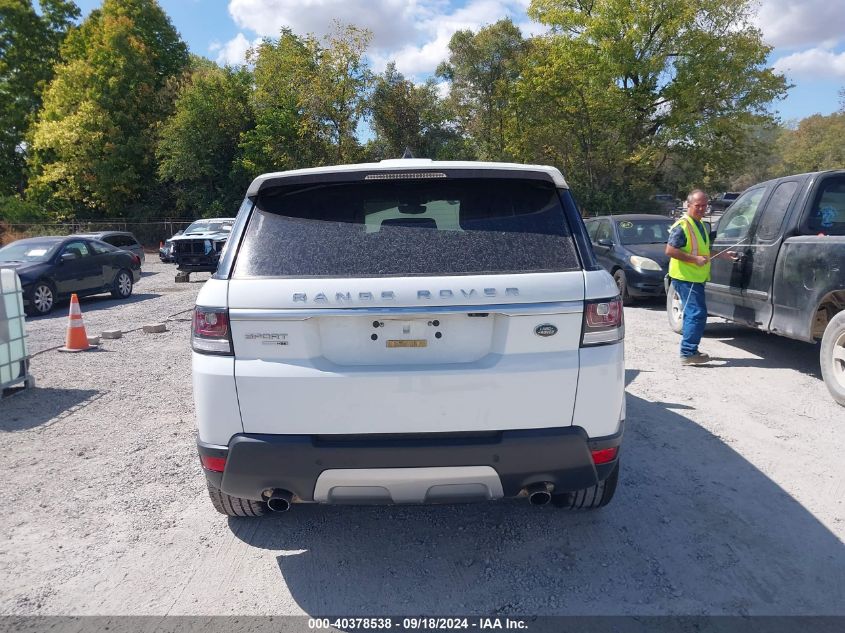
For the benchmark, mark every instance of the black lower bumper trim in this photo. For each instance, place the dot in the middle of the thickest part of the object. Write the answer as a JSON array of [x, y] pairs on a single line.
[[560, 456]]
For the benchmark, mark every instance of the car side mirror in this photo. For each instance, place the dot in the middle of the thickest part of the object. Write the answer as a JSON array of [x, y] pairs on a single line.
[[712, 235], [605, 242], [67, 257]]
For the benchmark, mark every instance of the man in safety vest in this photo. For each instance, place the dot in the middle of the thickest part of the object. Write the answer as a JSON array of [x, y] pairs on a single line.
[[689, 268]]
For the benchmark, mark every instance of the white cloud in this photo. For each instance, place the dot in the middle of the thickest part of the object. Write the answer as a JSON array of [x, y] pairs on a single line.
[[801, 23], [443, 88], [413, 33], [391, 21], [813, 63], [233, 52]]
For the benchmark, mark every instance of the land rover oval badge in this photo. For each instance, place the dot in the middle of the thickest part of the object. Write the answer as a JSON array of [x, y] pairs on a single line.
[[546, 329]]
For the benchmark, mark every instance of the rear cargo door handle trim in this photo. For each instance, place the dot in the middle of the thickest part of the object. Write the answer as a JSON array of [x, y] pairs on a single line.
[[511, 309]]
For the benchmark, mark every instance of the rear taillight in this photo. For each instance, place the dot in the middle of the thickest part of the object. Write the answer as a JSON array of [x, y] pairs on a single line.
[[136, 259], [214, 464], [604, 455], [603, 322], [211, 333]]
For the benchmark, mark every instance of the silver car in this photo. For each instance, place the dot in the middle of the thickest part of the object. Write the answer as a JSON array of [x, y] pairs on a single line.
[[123, 240]]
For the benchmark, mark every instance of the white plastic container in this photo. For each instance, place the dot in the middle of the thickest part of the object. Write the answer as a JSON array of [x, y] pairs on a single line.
[[14, 360]]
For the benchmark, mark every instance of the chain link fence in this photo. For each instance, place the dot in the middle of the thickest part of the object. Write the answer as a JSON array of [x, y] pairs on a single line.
[[149, 234]]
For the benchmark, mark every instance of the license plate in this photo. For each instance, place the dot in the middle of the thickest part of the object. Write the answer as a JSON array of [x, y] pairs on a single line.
[[407, 343]]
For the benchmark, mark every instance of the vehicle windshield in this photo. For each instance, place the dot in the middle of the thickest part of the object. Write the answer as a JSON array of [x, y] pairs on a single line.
[[28, 251], [406, 227], [209, 227], [644, 231]]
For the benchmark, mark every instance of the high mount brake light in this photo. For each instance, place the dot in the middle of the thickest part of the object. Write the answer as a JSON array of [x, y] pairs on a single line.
[[405, 175], [603, 322], [210, 332]]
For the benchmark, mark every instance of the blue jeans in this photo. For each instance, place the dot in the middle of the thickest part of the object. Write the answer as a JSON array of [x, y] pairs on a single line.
[[695, 314]]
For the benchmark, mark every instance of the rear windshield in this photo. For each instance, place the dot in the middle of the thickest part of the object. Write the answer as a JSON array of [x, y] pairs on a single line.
[[430, 227]]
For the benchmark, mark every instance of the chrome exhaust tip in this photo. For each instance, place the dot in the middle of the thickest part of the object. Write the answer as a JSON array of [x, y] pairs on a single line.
[[279, 501], [540, 494]]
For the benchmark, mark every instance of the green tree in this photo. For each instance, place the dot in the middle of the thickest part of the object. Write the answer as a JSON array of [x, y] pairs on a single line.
[[620, 90], [817, 143], [483, 69], [93, 144], [198, 145], [405, 115], [308, 99], [284, 136], [338, 96], [29, 48]]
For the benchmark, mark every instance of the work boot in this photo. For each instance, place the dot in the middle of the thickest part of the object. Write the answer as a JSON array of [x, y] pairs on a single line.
[[695, 359]]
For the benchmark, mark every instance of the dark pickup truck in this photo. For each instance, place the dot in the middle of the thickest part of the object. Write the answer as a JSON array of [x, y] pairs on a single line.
[[789, 277]]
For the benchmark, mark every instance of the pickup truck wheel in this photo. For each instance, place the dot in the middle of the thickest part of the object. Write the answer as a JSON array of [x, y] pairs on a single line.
[[622, 284], [832, 357], [674, 310], [590, 498], [235, 506]]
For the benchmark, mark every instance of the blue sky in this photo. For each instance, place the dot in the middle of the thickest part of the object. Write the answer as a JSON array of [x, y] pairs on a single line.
[[808, 35]]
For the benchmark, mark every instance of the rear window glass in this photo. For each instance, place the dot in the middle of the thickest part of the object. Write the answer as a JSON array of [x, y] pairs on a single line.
[[431, 227], [827, 214]]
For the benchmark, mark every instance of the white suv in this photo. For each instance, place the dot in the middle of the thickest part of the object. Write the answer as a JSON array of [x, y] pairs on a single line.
[[408, 331]]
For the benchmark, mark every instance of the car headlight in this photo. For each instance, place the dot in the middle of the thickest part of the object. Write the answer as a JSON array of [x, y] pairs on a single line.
[[644, 263]]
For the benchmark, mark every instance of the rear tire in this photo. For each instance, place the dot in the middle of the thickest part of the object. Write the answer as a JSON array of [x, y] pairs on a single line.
[[590, 498], [673, 310], [235, 506], [122, 286], [622, 283], [832, 357]]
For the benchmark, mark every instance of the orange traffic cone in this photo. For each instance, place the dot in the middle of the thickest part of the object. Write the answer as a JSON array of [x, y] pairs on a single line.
[[77, 339]]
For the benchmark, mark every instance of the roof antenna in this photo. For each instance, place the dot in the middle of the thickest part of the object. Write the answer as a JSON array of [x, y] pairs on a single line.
[[408, 153]]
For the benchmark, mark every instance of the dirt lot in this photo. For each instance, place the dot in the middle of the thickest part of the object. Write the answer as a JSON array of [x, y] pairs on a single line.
[[730, 500]]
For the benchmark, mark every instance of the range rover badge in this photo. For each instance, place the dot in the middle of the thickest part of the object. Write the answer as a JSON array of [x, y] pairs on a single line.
[[546, 329]]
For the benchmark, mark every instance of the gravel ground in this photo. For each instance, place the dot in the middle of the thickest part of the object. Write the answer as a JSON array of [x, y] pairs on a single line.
[[730, 499]]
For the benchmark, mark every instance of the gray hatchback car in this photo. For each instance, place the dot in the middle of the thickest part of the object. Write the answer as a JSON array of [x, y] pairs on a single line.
[[123, 240]]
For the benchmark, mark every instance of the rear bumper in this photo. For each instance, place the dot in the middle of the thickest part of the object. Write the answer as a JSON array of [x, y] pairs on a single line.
[[560, 456]]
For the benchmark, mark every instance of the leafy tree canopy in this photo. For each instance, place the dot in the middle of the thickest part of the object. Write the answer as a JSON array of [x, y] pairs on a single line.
[[29, 48], [308, 99], [633, 84], [409, 116], [198, 145], [483, 69], [93, 144]]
